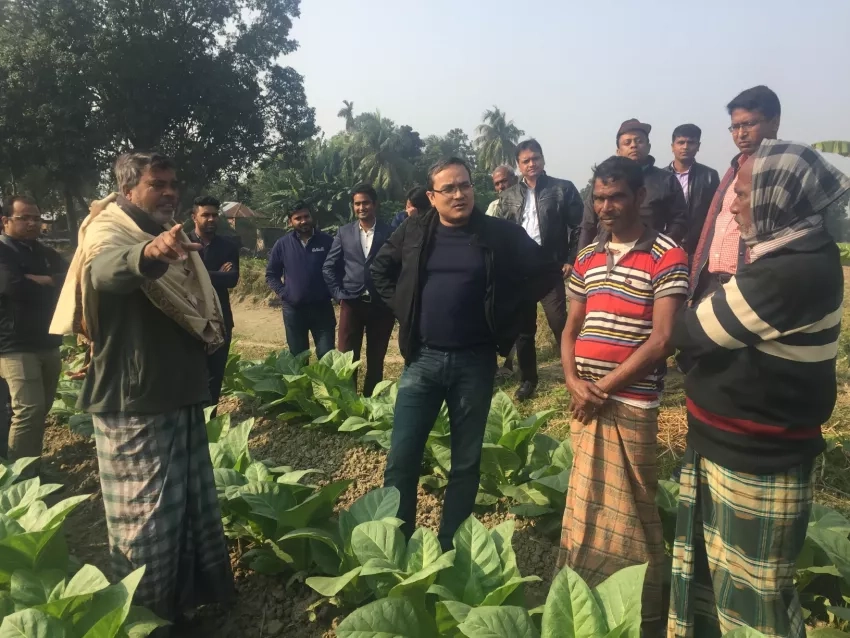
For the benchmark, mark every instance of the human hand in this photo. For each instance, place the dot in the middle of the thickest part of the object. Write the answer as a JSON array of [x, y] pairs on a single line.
[[587, 398], [41, 280], [567, 270], [227, 267], [168, 247]]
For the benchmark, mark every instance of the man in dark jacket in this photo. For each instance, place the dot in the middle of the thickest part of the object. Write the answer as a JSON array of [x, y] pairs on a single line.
[[31, 276], [221, 258], [698, 182], [550, 211], [664, 209], [349, 280], [455, 279], [298, 257]]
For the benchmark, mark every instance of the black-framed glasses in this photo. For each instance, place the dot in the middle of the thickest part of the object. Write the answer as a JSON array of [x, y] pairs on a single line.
[[745, 126], [453, 189]]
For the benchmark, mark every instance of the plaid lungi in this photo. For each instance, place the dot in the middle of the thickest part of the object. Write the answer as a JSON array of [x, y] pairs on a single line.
[[611, 520], [738, 537], [161, 508]]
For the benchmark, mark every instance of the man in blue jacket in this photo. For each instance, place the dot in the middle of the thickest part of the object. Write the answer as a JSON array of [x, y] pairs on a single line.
[[298, 257], [347, 274]]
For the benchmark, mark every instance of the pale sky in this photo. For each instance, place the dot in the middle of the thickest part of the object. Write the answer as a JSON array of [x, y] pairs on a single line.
[[569, 72]]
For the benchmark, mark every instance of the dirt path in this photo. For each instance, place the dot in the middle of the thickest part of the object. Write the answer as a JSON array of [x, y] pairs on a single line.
[[258, 325]]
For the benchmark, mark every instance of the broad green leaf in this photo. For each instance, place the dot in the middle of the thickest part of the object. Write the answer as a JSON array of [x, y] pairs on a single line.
[[525, 494], [563, 456], [225, 478], [840, 612], [502, 536], [423, 549], [295, 477], [141, 622], [442, 454], [15, 499], [216, 426], [500, 595], [486, 500], [40, 517], [109, 608], [823, 516], [330, 587], [78, 592], [528, 510], [376, 539], [498, 622], [355, 424], [555, 486], [264, 560], [317, 507], [502, 418], [380, 567], [477, 569], [328, 418], [28, 550], [433, 482], [443, 593], [540, 453], [449, 615], [12, 472], [667, 497], [514, 439], [258, 473], [836, 546], [235, 441], [619, 597], [387, 618], [30, 589], [381, 387], [498, 461], [32, 623], [422, 580], [571, 609], [373, 506]]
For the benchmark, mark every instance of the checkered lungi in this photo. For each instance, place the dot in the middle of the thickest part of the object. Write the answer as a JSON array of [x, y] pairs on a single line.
[[161, 508], [611, 520], [738, 537]]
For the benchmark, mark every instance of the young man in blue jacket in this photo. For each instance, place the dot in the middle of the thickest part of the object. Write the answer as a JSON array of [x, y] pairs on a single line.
[[298, 257]]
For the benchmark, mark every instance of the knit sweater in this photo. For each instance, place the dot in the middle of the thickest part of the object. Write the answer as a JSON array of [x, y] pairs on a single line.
[[766, 345]]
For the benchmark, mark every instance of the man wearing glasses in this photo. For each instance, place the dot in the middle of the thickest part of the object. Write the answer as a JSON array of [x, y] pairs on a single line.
[[720, 252], [455, 279], [550, 211], [31, 276]]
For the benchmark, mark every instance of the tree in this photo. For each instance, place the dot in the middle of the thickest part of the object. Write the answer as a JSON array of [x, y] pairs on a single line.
[[347, 113], [454, 144], [196, 79], [384, 154], [496, 140]]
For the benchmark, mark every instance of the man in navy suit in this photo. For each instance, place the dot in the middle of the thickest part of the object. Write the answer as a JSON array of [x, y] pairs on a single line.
[[347, 274], [221, 257]]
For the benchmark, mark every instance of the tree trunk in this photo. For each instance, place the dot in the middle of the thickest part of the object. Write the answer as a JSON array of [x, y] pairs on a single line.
[[71, 215]]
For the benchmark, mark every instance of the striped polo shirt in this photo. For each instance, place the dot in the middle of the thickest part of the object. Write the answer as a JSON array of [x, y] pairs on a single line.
[[619, 299]]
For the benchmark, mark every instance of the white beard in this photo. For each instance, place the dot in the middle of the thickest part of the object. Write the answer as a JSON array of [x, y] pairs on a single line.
[[162, 218]]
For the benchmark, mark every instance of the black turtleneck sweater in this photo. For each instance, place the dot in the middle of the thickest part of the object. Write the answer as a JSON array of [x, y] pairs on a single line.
[[454, 284]]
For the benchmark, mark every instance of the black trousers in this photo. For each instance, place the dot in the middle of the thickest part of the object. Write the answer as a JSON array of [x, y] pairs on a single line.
[[216, 363], [555, 306]]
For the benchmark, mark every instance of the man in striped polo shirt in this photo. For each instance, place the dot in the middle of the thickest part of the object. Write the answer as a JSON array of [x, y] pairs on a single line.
[[624, 290], [764, 346]]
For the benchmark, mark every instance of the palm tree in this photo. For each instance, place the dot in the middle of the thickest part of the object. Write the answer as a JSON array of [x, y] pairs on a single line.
[[379, 147], [347, 113], [497, 139], [834, 146]]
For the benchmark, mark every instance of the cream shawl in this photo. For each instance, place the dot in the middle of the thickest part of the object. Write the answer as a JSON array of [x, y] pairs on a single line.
[[183, 293]]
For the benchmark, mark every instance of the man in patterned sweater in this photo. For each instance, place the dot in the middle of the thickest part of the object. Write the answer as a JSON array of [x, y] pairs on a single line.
[[624, 290], [764, 346]]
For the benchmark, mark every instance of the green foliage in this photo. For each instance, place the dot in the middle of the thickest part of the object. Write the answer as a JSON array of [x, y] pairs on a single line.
[[496, 140], [37, 596]]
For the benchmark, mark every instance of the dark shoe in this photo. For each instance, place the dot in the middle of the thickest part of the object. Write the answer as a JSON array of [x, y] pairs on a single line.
[[525, 391]]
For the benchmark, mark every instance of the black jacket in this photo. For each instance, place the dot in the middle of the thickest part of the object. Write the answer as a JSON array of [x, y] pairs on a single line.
[[220, 251], [702, 184], [664, 208], [517, 271], [558, 213], [26, 308], [346, 268]]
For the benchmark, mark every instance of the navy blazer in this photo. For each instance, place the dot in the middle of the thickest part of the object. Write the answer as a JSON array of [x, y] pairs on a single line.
[[347, 271], [220, 251]]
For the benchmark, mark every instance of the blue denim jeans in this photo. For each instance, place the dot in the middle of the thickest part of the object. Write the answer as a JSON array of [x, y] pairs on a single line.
[[317, 319], [464, 380]]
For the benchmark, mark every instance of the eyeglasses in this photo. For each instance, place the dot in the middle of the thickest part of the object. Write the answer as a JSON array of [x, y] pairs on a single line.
[[453, 189], [27, 219], [745, 126]]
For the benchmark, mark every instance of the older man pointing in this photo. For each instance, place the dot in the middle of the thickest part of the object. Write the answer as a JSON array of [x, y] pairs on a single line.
[[139, 291]]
